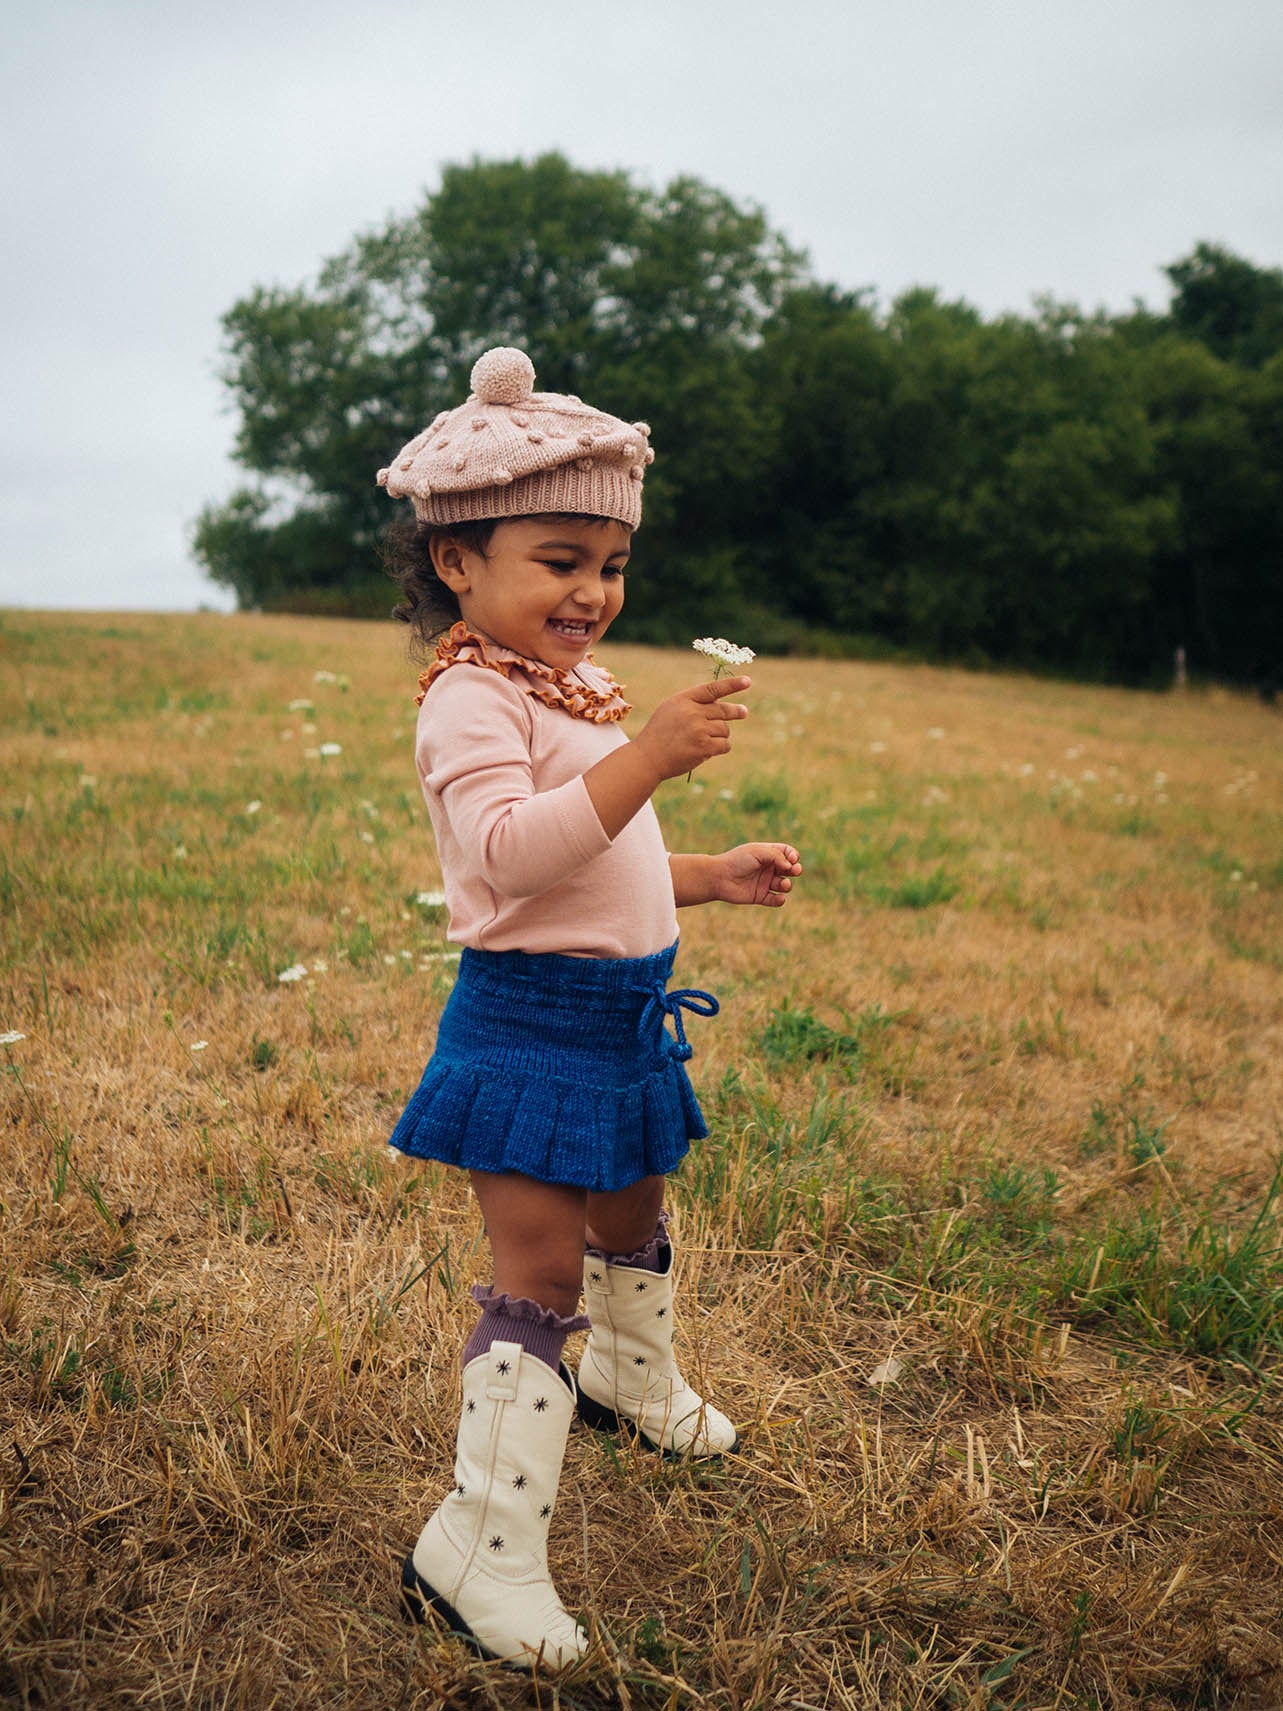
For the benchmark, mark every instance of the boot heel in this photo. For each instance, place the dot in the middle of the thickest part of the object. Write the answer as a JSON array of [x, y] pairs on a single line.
[[598, 1417]]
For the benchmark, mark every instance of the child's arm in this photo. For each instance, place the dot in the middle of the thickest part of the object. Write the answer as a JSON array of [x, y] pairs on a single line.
[[750, 873], [683, 732]]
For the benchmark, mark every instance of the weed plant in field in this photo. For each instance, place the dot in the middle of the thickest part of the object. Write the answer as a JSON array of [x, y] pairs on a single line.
[[983, 1251]]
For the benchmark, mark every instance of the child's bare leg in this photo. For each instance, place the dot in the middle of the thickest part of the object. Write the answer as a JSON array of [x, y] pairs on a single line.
[[625, 1221], [536, 1233]]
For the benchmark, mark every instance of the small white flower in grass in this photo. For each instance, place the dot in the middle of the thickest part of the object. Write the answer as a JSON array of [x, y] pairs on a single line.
[[87, 781], [308, 728], [431, 899], [442, 956], [388, 957], [320, 966], [887, 1372], [180, 852], [877, 748], [11, 1038], [253, 807], [296, 971], [198, 1045], [936, 732], [331, 749], [1236, 877], [367, 837], [726, 796], [301, 706], [725, 653], [324, 677]]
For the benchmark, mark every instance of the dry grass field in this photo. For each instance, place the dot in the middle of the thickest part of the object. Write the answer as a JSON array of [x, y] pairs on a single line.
[[983, 1252]]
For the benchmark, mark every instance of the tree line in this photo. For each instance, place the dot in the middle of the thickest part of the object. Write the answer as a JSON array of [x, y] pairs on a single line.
[[1059, 490]]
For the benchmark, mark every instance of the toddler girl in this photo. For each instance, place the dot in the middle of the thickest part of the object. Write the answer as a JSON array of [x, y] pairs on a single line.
[[554, 1081]]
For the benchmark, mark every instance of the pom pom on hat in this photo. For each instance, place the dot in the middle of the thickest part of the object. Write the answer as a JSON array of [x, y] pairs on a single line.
[[519, 462], [503, 376]]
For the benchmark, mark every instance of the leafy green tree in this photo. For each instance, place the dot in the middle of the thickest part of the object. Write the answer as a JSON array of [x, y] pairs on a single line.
[[1228, 304], [646, 299]]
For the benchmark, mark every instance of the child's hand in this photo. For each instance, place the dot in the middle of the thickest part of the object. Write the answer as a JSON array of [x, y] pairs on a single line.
[[757, 873], [691, 727]]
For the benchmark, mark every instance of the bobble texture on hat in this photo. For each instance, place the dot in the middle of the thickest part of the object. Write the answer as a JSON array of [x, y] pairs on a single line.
[[510, 451]]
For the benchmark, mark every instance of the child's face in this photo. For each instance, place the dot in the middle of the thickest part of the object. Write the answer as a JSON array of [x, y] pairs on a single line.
[[548, 587]]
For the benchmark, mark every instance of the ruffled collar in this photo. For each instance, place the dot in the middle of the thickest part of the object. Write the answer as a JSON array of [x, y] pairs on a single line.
[[546, 683]]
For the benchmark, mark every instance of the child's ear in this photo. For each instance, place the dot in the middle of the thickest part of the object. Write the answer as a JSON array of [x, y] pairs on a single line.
[[449, 560]]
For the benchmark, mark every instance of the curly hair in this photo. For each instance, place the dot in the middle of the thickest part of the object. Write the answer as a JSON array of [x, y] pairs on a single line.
[[426, 604]]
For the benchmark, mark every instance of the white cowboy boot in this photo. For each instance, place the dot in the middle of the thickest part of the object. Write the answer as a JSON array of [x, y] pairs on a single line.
[[628, 1377], [482, 1559]]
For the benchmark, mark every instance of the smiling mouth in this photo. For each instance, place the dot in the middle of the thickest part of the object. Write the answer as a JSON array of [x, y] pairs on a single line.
[[573, 629]]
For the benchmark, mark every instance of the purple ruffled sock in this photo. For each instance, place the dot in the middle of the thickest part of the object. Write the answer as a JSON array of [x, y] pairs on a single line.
[[653, 1257], [539, 1330]]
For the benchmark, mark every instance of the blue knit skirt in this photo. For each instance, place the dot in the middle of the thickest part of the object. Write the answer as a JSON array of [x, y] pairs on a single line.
[[560, 1068]]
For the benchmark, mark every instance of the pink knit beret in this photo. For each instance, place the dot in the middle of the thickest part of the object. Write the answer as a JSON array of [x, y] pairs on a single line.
[[510, 451]]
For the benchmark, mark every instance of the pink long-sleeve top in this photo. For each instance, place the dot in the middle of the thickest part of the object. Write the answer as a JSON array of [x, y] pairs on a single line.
[[524, 860]]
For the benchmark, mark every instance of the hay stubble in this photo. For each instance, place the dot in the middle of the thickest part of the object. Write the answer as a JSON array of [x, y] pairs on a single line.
[[985, 1098]]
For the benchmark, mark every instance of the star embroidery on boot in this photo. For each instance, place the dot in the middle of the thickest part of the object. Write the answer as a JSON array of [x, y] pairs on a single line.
[[640, 1288], [496, 1543], [639, 1360], [504, 1367], [545, 1511], [541, 1402], [595, 1276], [519, 1483], [471, 1407], [660, 1314], [460, 1490]]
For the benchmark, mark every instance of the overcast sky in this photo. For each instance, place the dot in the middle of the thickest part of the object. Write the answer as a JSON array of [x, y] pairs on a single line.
[[160, 160]]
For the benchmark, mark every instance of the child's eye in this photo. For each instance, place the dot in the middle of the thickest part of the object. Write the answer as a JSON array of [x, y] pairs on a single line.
[[562, 564], [613, 570]]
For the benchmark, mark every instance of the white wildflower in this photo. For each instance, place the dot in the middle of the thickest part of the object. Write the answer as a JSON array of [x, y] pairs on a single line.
[[180, 852], [198, 1045], [11, 1038], [442, 956], [726, 796], [388, 957], [877, 748], [320, 966], [87, 781], [887, 1373], [431, 899], [367, 837], [724, 652], [324, 677], [295, 971], [301, 706], [1236, 877], [935, 733], [331, 748], [308, 728], [253, 807]]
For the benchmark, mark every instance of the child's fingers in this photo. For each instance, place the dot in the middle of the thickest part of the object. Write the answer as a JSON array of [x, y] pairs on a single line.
[[723, 686]]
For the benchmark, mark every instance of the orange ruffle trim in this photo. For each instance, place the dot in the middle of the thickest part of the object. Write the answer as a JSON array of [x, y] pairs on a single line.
[[547, 683]]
